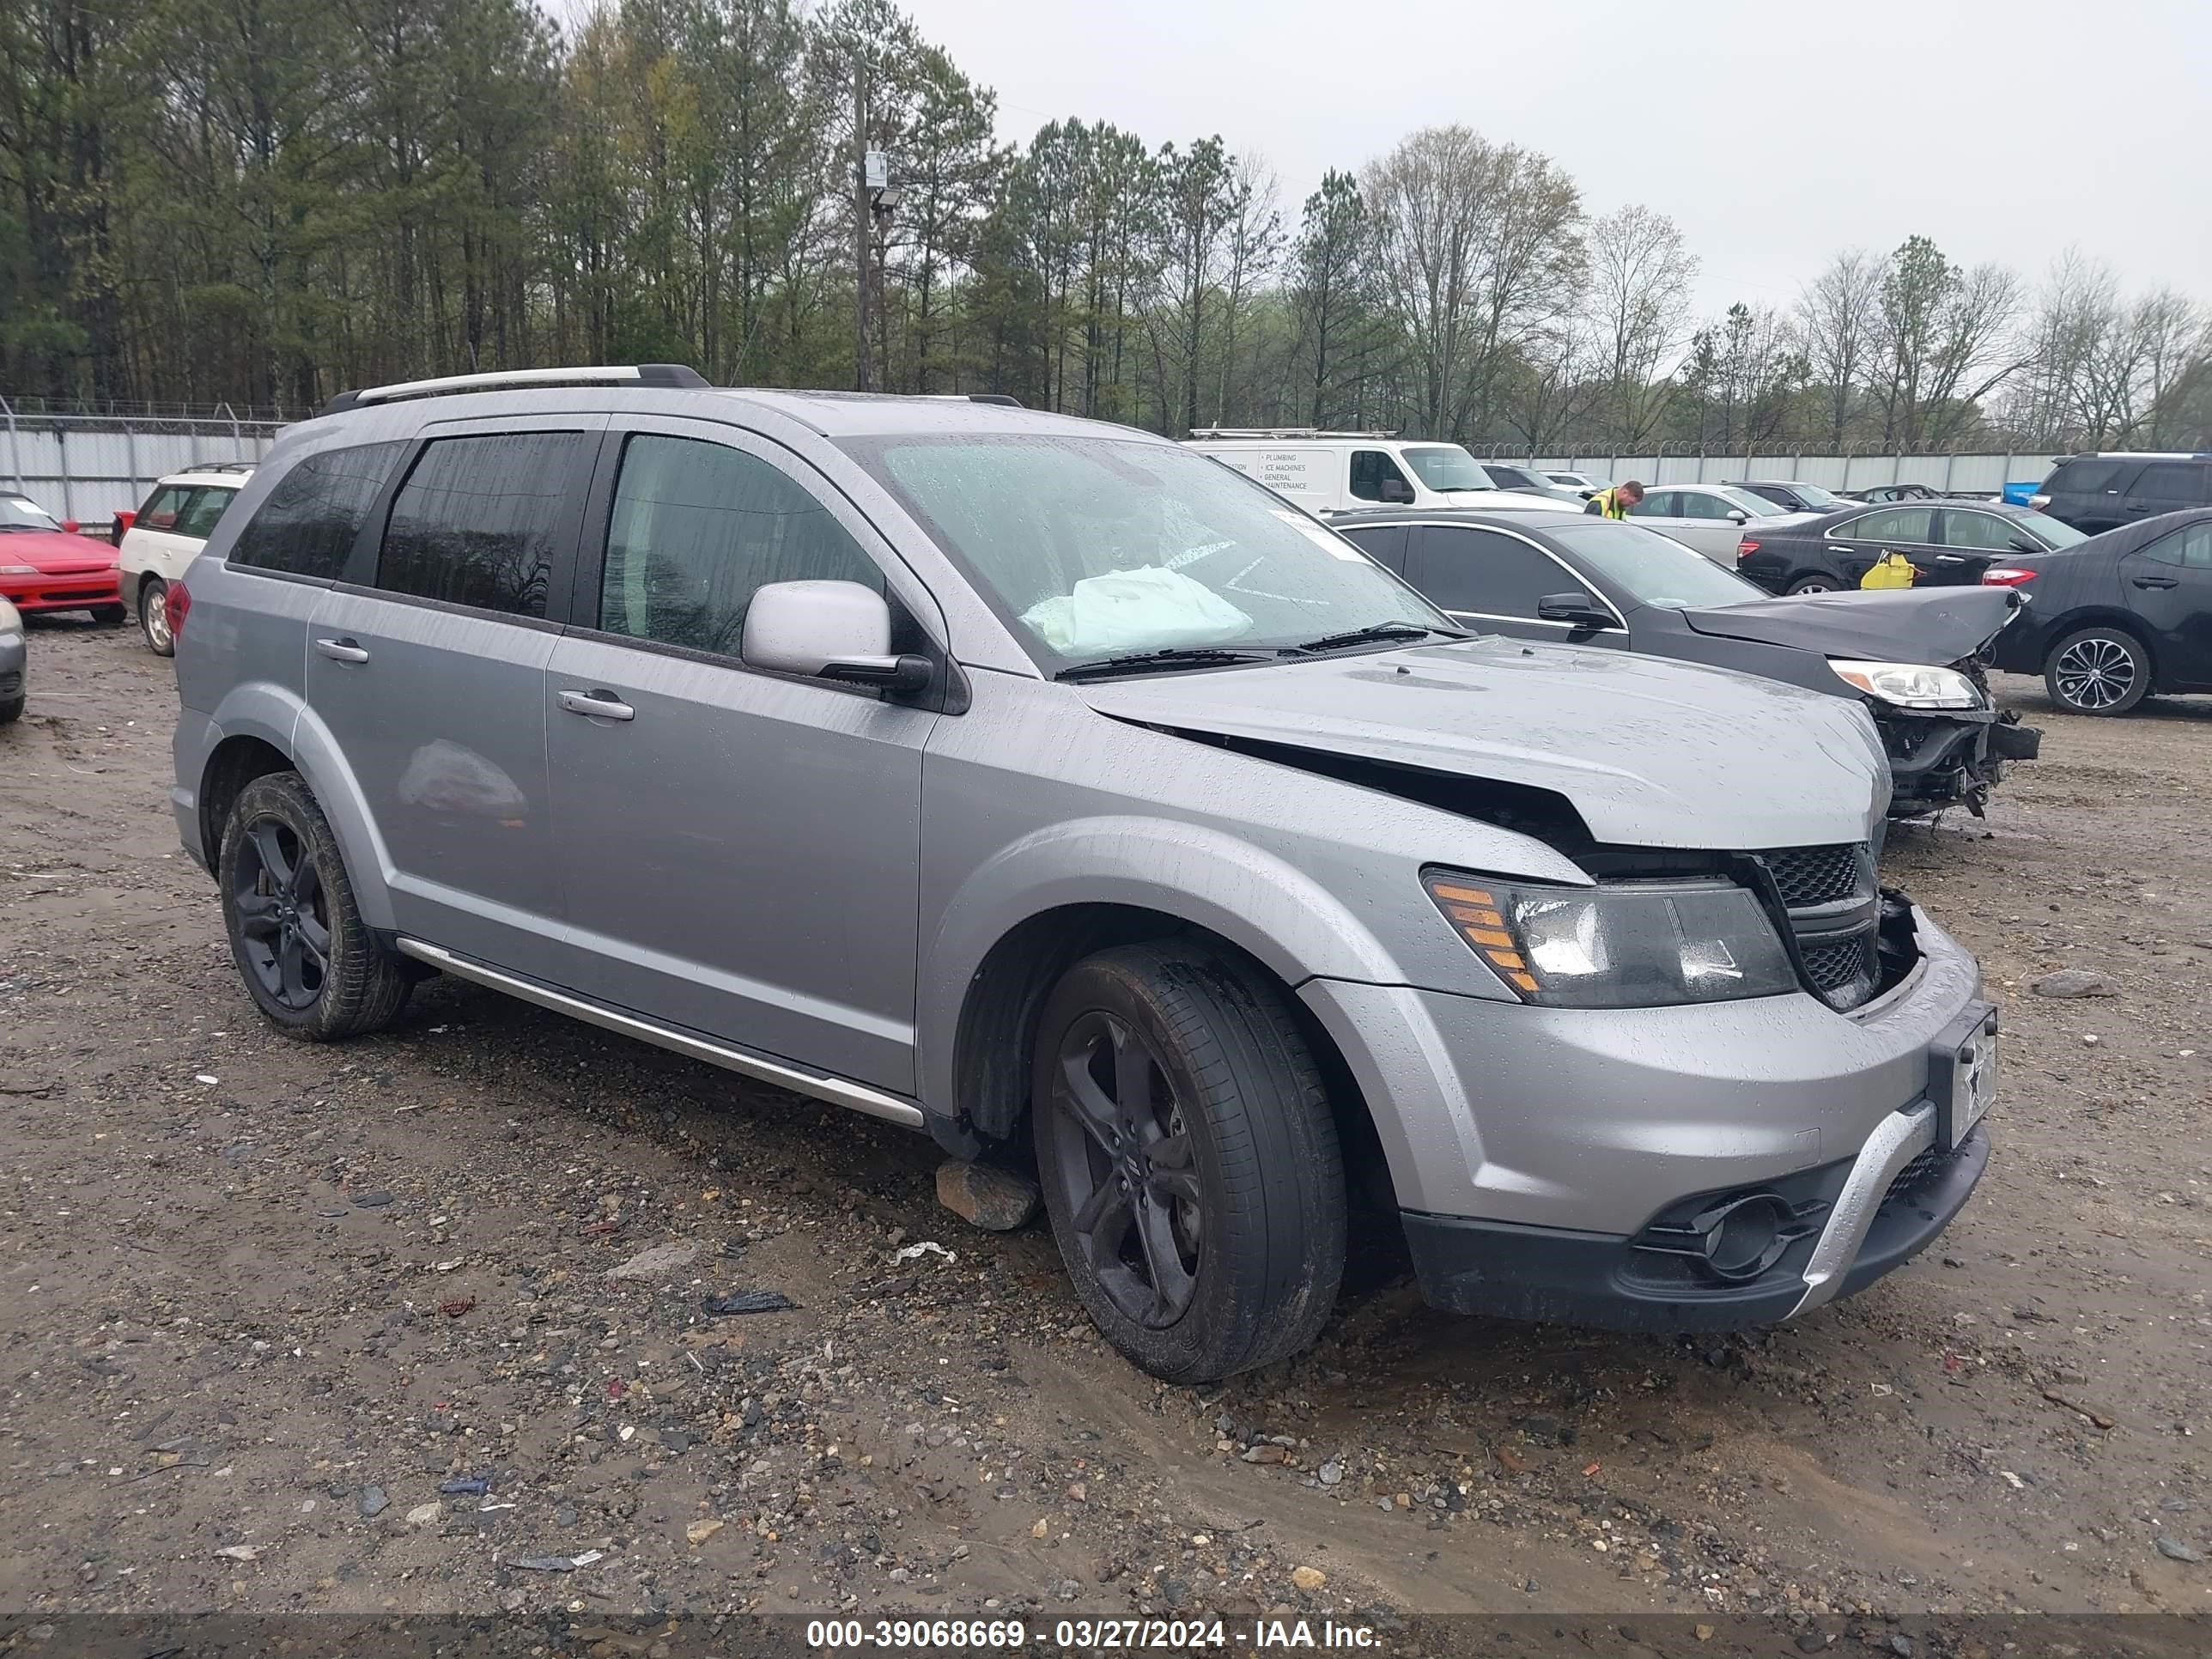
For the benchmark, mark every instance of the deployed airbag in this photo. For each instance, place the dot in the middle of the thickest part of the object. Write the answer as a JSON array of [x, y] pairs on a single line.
[[1149, 608]]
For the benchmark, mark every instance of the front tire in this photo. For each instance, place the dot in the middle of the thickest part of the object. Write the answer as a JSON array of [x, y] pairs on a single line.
[[12, 710], [2099, 670], [108, 616], [154, 619], [309, 962], [1188, 1160]]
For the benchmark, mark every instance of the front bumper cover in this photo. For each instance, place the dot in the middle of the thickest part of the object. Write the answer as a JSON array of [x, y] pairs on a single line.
[[1869, 1214]]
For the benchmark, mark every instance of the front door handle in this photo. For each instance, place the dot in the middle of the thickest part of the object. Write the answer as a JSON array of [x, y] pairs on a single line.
[[2156, 581], [341, 650], [597, 705]]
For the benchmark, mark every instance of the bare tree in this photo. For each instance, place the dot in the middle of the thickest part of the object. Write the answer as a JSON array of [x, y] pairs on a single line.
[[1637, 305], [1255, 242], [1941, 336], [1477, 245], [1837, 318]]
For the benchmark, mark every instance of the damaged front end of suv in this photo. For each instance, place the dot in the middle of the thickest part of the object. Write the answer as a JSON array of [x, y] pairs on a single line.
[[1918, 660]]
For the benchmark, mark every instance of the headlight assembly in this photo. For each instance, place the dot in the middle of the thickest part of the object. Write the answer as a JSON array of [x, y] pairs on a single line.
[[1910, 685], [1642, 946]]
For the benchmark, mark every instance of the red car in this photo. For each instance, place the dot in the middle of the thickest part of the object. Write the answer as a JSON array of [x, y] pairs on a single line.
[[46, 566]]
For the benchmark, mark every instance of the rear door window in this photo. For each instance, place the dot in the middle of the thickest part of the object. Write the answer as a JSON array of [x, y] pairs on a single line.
[[204, 511], [307, 525], [1482, 572], [2189, 547], [2185, 484], [697, 529], [478, 518], [1984, 530], [1892, 524], [2092, 476], [1696, 504], [1658, 504]]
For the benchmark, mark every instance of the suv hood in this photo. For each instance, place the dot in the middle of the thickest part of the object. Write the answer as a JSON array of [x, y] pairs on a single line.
[[1939, 625], [1651, 753]]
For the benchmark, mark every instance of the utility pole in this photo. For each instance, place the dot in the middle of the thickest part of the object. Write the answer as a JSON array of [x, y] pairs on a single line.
[[863, 206]]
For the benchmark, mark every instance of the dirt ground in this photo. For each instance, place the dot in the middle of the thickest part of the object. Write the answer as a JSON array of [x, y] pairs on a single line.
[[264, 1300]]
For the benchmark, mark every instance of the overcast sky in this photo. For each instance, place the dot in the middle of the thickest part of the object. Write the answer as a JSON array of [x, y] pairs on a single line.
[[1774, 134]]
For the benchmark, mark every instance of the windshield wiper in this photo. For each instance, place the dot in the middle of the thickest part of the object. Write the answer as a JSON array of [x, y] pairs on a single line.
[[1382, 630], [1138, 662]]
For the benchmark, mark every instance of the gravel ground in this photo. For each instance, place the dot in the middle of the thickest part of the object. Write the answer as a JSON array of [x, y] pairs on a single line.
[[269, 1302]]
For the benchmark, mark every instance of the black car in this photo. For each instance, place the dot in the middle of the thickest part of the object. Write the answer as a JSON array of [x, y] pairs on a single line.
[[2117, 617], [1793, 497], [2105, 491], [1950, 542], [1911, 659]]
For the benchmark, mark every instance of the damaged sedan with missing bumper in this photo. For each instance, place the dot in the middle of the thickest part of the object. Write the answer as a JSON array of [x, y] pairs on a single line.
[[1916, 659]]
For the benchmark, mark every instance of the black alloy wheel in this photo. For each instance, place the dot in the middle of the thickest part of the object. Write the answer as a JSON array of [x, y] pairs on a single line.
[[284, 915], [315, 970], [1124, 1156]]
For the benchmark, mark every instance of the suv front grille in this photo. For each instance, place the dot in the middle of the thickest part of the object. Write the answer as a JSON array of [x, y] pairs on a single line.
[[1814, 875], [1829, 892]]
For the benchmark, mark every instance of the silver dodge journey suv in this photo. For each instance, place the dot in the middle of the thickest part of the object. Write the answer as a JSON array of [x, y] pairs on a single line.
[[1036, 783]]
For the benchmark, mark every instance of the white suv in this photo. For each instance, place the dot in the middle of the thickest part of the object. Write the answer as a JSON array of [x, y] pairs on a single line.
[[167, 534]]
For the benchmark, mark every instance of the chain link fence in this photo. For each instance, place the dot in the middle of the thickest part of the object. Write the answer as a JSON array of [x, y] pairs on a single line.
[[86, 462]]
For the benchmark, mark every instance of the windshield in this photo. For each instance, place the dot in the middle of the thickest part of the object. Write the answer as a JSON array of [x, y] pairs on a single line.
[[1444, 466], [1515, 478], [2051, 532], [1818, 500], [1758, 505], [21, 513], [1653, 569], [1094, 548]]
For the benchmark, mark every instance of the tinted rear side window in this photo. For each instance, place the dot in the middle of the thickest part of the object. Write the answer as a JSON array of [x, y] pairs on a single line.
[[2079, 477], [1894, 523], [308, 523], [478, 520], [203, 512], [2184, 483], [162, 509]]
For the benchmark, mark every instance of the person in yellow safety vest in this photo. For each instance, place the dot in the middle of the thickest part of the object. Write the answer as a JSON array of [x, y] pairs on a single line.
[[1614, 503]]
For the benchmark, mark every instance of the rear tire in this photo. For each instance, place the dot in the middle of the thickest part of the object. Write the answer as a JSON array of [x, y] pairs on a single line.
[[1188, 1160], [2101, 670], [153, 619], [11, 711], [1814, 584], [309, 962]]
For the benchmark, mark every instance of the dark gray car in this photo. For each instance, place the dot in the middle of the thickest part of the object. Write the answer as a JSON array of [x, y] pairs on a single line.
[[1917, 659], [1020, 778]]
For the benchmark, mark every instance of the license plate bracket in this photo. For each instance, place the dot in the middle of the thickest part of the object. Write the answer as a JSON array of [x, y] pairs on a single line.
[[1962, 1074]]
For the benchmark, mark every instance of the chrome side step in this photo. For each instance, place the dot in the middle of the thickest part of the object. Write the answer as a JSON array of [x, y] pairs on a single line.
[[836, 1090]]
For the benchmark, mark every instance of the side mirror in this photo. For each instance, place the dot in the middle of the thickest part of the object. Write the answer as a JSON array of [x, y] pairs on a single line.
[[1577, 610], [836, 631], [2026, 544], [1737, 515], [1397, 492]]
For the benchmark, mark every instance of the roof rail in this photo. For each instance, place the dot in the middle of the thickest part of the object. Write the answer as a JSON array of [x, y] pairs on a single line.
[[653, 374], [220, 466], [1279, 432]]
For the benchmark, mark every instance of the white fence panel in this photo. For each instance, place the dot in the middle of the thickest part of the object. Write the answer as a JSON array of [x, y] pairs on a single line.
[[91, 467], [1978, 474]]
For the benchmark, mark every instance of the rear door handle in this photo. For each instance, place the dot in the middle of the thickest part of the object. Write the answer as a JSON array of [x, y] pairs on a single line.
[[2156, 581], [341, 650], [597, 705]]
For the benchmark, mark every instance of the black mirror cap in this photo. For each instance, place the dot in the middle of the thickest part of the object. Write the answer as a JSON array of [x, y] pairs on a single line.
[[904, 675], [1397, 492], [1579, 610]]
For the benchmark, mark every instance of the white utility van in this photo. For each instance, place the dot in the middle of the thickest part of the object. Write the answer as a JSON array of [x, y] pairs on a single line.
[[1330, 473]]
